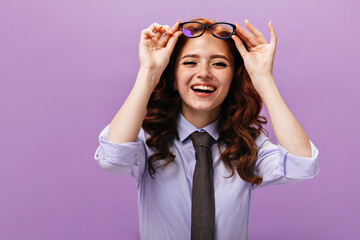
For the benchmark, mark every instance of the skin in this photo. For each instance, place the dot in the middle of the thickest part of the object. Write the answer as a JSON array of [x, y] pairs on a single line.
[[154, 55], [203, 61]]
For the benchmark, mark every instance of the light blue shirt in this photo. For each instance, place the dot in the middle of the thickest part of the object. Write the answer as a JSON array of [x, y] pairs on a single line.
[[165, 202]]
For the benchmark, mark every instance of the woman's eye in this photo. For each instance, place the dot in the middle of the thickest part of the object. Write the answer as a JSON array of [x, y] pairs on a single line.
[[189, 63], [221, 64]]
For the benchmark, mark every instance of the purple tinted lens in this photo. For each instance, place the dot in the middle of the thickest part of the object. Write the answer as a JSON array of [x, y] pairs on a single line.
[[187, 32], [192, 29]]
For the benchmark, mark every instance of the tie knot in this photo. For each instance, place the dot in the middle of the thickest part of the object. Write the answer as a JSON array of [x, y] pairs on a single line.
[[202, 139]]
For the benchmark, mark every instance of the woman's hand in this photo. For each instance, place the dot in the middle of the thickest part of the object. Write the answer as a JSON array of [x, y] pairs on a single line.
[[260, 57], [156, 45]]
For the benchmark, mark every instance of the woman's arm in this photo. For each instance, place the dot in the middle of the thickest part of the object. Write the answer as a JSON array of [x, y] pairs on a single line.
[[126, 124], [154, 55], [259, 64], [287, 130]]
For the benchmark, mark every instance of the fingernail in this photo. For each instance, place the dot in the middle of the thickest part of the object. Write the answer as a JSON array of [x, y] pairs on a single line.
[[171, 31], [247, 20]]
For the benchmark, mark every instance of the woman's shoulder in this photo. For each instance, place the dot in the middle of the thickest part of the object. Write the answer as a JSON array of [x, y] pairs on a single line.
[[143, 135], [261, 139]]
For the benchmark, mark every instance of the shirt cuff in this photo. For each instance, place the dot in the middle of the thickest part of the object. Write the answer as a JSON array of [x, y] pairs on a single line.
[[124, 154], [299, 167]]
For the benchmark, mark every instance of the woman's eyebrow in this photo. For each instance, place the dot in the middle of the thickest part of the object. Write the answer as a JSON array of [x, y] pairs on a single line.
[[219, 56], [190, 56], [211, 57]]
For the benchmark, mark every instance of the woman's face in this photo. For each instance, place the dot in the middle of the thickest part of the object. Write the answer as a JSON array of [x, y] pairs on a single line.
[[203, 73]]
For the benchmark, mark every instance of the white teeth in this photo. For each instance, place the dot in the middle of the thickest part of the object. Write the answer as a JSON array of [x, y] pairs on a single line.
[[201, 87]]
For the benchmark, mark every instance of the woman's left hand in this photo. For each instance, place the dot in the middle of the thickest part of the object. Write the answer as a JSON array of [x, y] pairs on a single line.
[[260, 57]]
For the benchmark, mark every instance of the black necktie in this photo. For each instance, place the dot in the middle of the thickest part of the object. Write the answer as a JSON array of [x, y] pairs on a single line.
[[203, 201]]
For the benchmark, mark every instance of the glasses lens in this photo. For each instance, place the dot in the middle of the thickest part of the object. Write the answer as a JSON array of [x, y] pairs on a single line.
[[192, 29], [222, 30]]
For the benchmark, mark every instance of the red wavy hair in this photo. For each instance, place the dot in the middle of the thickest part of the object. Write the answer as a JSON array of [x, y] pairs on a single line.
[[239, 124]]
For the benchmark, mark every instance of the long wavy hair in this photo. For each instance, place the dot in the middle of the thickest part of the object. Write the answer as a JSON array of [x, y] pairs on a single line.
[[239, 125]]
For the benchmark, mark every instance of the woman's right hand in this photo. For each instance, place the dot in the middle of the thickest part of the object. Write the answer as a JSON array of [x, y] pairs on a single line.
[[154, 50], [154, 54]]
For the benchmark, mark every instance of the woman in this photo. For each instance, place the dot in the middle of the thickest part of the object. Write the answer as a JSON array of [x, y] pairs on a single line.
[[203, 76]]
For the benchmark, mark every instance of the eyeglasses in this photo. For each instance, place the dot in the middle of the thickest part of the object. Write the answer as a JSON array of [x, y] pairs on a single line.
[[221, 30]]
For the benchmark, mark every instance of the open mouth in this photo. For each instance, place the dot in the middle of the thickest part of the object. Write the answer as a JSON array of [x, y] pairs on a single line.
[[203, 89]]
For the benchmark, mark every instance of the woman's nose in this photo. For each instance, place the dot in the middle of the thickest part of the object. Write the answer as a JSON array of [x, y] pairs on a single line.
[[205, 72]]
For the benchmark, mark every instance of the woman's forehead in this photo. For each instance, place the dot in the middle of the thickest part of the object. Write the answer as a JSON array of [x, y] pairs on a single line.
[[206, 45]]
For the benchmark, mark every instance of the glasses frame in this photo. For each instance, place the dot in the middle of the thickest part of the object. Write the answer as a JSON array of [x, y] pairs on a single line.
[[208, 27]]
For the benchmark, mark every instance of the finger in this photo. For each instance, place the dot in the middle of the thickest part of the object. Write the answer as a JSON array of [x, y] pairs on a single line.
[[157, 29], [147, 33], [239, 45], [153, 27], [164, 31], [175, 28], [169, 32], [248, 38], [272, 34], [254, 31], [167, 29], [172, 41]]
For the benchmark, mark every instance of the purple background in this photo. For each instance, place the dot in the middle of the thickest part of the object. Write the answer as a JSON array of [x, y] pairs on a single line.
[[67, 66]]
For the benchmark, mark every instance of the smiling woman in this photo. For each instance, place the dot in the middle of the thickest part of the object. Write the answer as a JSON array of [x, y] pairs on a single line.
[[203, 72], [201, 90]]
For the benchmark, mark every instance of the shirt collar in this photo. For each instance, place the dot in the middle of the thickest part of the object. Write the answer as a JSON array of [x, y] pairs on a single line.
[[185, 128]]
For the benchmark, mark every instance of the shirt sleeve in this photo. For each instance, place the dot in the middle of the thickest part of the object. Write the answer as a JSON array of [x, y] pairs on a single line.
[[277, 166], [126, 158]]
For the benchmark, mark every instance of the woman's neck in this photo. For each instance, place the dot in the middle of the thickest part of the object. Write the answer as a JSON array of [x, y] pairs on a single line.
[[200, 119]]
